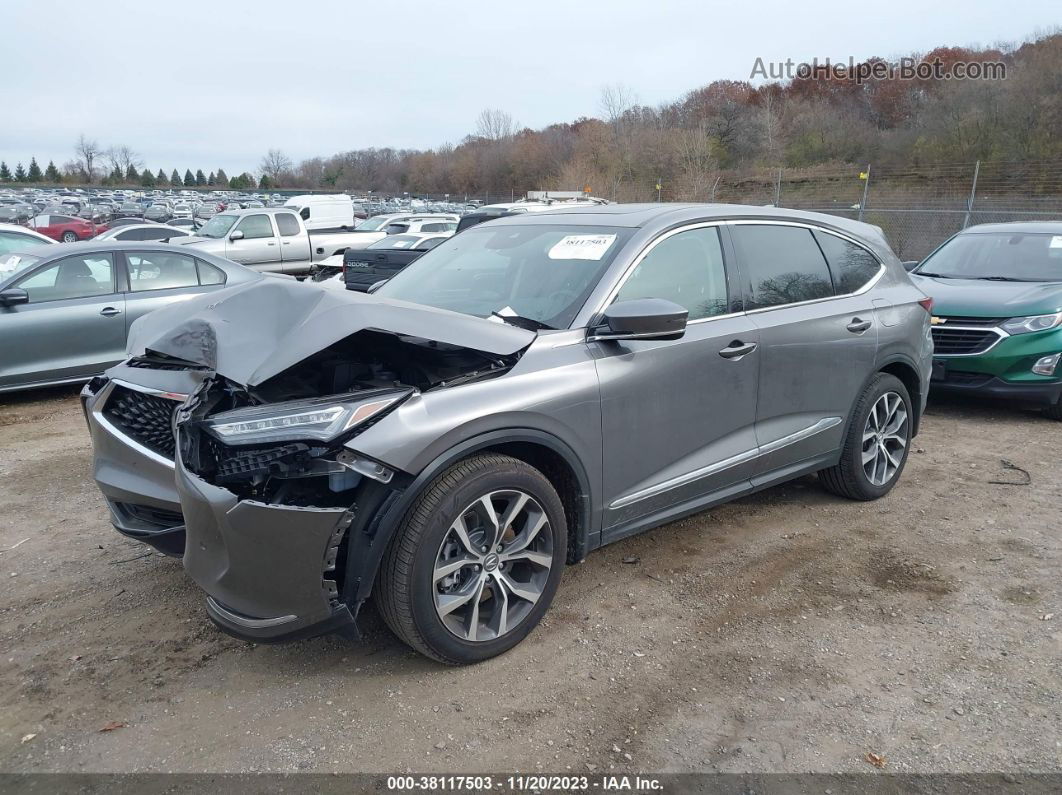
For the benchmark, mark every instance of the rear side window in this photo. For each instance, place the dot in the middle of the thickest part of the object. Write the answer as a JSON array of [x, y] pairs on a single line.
[[852, 266], [784, 263], [304, 213], [396, 229], [155, 270], [287, 224]]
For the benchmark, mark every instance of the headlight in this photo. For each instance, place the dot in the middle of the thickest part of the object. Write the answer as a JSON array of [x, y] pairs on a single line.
[[1025, 325], [322, 419]]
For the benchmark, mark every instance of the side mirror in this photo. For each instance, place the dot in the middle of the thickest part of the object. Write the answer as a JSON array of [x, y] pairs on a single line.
[[642, 319], [910, 264], [237, 235], [376, 286], [14, 295]]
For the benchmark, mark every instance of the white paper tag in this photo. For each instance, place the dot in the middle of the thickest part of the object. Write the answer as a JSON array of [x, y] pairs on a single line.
[[582, 247], [10, 263], [1056, 241]]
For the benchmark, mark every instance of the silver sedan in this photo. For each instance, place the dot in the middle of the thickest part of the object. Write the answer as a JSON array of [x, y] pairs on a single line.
[[65, 309]]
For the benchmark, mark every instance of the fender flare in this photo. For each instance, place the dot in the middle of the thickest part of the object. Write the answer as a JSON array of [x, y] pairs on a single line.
[[370, 537]]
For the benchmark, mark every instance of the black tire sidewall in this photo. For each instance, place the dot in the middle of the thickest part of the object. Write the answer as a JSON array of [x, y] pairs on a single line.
[[854, 443], [422, 600]]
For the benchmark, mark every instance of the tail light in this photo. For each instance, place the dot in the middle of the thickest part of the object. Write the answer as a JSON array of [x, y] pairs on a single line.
[[927, 304]]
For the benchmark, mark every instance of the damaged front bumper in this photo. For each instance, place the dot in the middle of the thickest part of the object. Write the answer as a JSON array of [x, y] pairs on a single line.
[[269, 571]]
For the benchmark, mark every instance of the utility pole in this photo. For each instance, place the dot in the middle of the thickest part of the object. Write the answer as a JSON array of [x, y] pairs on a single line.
[[973, 193], [778, 190]]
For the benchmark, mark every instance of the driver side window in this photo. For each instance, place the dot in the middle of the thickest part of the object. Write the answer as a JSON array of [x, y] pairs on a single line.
[[686, 268], [255, 226]]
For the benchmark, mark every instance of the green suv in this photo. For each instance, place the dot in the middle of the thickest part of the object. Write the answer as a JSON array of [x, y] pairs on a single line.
[[997, 313]]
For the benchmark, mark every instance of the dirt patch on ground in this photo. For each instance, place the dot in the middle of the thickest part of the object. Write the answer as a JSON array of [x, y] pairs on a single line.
[[789, 631]]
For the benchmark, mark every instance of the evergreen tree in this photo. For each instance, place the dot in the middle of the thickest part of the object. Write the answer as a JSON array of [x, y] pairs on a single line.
[[234, 182], [34, 174], [20, 173], [200, 178], [52, 173], [264, 183], [116, 176], [147, 180], [5, 172], [132, 176], [175, 179], [211, 179], [222, 177], [189, 179], [161, 179]]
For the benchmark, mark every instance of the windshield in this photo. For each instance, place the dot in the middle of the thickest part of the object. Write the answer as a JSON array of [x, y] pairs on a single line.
[[218, 226], [11, 264], [1018, 257], [374, 224], [544, 273]]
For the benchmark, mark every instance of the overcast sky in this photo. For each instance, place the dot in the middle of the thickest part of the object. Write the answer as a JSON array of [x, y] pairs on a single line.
[[192, 84]]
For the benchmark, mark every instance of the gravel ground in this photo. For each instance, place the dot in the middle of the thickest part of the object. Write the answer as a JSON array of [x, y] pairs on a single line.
[[789, 631]]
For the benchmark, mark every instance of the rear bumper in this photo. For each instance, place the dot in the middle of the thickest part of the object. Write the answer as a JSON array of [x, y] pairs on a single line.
[[268, 570]]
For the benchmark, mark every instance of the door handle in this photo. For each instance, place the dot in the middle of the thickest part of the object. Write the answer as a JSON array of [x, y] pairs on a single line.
[[271, 244], [858, 326], [110, 311], [737, 349]]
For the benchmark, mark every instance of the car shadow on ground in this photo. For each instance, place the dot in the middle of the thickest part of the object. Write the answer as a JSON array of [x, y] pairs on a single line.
[[51, 394]]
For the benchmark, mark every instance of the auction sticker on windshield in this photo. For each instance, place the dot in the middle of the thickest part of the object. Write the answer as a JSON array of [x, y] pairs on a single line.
[[582, 247]]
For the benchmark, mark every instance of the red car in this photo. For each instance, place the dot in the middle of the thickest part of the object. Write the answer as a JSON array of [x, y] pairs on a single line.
[[66, 228]]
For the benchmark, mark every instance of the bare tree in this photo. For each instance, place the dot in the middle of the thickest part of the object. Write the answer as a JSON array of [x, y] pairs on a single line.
[[86, 152], [616, 100], [120, 158], [495, 125], [274, 164]]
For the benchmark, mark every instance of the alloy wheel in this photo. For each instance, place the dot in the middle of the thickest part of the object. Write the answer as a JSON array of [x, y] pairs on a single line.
[[493, 565], [885, 438]]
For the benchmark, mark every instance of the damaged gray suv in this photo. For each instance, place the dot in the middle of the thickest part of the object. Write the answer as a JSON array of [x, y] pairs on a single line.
[[531, 389]]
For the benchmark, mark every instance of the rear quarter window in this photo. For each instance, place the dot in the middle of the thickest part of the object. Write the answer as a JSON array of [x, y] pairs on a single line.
[[852, 265]]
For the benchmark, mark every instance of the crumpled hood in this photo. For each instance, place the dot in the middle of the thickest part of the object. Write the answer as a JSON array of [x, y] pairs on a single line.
[[977, 298], [251, 332]]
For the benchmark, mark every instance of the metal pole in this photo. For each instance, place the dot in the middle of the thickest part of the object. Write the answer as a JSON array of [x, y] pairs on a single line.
[[778, 190], [973, 193], [866, 190]]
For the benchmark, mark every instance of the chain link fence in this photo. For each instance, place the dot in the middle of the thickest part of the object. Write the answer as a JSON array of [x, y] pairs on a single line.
[[916, 207]]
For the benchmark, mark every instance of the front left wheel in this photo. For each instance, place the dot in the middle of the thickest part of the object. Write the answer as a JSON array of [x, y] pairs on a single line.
[[69, 237], [477, 560]]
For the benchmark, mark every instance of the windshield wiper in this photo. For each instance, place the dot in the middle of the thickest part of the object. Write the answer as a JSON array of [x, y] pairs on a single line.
[[528, 323], [999, 279], [933, 275]]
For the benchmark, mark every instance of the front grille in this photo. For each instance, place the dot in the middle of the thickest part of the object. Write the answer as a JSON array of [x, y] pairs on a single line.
[[980, 322], [951, 341], [142, 417]]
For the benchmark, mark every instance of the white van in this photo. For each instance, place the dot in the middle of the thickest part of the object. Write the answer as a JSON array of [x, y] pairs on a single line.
[[335, 211]]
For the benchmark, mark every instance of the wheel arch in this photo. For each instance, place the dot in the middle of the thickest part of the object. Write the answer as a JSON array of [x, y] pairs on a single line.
[[902, 368], [553, 457]]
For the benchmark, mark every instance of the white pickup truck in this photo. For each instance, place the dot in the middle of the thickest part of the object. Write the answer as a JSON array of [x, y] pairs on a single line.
[[270, 239]]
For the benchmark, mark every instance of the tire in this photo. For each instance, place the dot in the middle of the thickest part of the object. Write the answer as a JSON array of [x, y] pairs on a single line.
[[412, 595], [69, 237], [1054, 411], [850, 477]]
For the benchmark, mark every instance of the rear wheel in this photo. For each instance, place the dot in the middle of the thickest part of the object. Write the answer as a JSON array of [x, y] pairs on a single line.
[[876, 444], [69, 237], [477, 561]]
